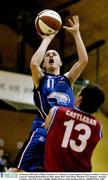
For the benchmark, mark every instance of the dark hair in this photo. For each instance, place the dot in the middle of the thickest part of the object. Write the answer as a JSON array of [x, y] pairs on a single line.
[[92, 98]]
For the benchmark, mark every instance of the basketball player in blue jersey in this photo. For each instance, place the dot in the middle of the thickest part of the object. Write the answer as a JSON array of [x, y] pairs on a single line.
[[50, 89]]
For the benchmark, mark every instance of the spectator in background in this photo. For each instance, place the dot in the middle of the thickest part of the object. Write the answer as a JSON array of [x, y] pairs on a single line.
[[4, 160]]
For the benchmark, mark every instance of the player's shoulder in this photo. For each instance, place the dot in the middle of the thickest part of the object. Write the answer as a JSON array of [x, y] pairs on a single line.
[[57, 109], [63, 109], [96, 119]]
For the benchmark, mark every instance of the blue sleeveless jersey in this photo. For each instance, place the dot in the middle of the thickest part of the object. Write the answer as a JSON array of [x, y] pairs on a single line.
[[53, 91]]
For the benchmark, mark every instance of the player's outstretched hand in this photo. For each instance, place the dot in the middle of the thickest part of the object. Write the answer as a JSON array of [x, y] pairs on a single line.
[[74, 25]]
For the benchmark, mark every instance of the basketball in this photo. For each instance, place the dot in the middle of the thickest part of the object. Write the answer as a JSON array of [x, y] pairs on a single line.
[[48, 22]]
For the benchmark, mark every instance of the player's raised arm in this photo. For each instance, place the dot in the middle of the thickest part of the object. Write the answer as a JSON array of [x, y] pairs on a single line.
[[37, 58], [79, 66], [49, 117]]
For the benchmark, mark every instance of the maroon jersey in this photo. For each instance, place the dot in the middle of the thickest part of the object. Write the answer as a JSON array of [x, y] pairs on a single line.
[[71, 139]]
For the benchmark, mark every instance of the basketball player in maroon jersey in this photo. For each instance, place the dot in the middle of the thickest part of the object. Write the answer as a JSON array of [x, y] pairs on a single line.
[[72, 133]]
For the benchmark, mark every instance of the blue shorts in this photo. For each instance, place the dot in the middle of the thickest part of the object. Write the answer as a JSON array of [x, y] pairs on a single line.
[[32, 156]]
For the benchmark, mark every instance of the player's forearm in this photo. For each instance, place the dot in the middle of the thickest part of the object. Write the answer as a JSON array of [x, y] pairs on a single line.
[[38, 56], [82, 53]]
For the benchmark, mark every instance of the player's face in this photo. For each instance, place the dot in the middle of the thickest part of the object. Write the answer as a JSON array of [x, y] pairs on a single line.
[[52, 60]]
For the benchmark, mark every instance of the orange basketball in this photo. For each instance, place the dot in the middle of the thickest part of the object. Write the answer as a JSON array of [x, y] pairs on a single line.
[[48, 22]]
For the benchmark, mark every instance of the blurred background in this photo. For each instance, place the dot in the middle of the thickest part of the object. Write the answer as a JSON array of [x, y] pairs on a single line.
[[18, 42]]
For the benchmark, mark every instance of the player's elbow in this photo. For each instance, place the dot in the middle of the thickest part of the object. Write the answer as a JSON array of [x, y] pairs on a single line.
[[85, 60], [32, 65], [86, 57]]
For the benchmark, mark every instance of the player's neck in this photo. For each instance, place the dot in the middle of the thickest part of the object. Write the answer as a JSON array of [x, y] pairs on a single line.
[[54, 72]]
